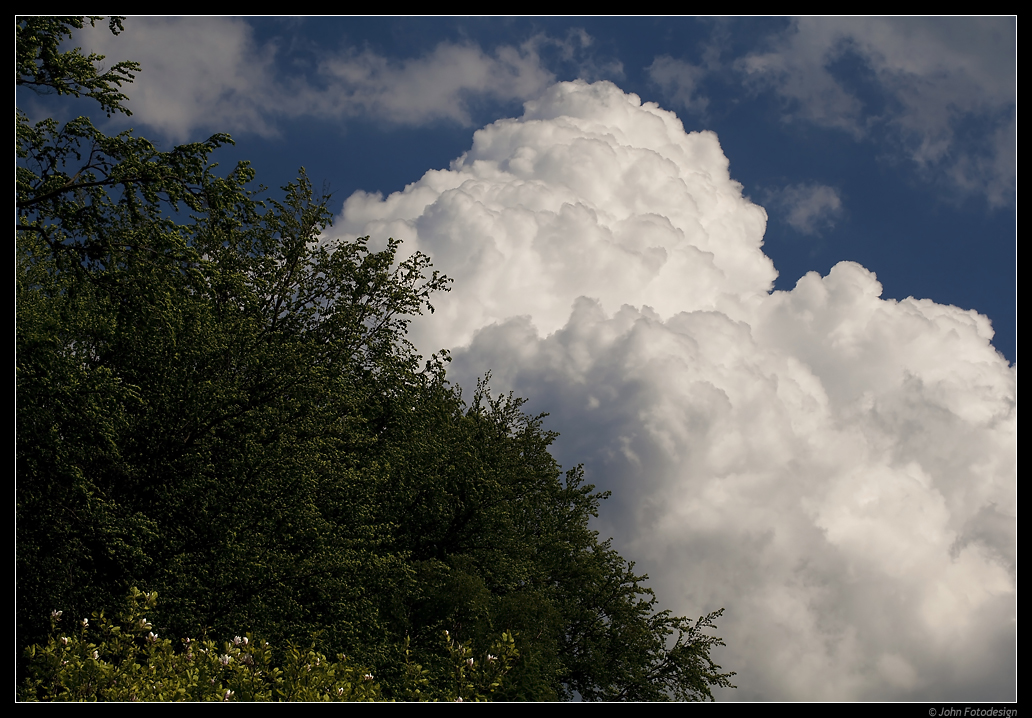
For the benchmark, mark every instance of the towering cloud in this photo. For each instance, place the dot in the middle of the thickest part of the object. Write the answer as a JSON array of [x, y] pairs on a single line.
[[834, 468]]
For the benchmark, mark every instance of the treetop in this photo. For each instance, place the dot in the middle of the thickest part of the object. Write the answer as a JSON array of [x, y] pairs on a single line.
[[43, 67]]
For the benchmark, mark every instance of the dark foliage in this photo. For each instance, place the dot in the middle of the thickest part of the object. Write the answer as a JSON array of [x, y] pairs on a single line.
[[215, 402]]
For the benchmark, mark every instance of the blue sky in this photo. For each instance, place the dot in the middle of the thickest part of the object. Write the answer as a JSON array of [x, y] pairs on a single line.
[[815, 457], [921, 166]]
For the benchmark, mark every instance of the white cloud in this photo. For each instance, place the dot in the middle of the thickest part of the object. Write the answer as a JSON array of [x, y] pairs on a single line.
[[436, 86], [936, 75], [199, 73], [809, 208], [589, 193], [210, 74], [835, 469]]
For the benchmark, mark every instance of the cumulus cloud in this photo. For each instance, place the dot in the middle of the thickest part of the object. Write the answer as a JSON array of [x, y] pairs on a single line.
[[210, 73], [935, 77], [834, 468], [808, 208], [607, 206]]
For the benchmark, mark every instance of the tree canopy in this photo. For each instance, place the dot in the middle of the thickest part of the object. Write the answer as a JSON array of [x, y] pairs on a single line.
[[217, 402]]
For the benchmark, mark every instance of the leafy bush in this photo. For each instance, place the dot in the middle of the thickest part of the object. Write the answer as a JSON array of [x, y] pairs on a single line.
[[102, 660]]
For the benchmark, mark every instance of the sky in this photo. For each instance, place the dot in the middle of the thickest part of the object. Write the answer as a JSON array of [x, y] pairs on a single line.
[[759, 271]]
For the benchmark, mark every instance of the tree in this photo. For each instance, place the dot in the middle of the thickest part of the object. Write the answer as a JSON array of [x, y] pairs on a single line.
[[500, 538], [224, 407], [175, 381], [43, 67]]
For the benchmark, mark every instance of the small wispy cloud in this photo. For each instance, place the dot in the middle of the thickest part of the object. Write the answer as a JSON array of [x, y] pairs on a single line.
[[439, 85], [808, 208], [679, 81]]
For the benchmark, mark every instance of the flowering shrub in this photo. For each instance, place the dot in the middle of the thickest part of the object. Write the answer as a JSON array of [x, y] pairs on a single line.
[[101, 660], [468, 679]]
